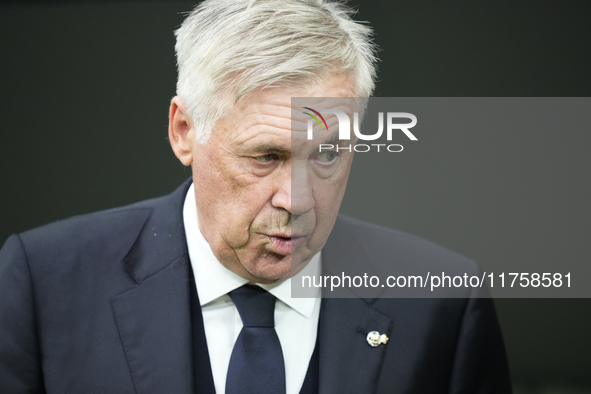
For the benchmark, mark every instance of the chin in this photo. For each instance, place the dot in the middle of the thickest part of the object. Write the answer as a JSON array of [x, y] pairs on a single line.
[[270, 268]]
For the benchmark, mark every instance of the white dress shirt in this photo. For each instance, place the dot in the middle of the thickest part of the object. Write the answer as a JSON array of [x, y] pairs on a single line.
[[296, 319]]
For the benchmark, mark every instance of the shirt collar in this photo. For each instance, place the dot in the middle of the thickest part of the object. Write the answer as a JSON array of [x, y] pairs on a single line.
[[213, 280]]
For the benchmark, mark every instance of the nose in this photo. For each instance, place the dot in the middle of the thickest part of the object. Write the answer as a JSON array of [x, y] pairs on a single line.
[[295, 192]]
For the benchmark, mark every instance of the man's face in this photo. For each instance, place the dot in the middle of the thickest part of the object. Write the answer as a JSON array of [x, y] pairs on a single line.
[[264, 193]]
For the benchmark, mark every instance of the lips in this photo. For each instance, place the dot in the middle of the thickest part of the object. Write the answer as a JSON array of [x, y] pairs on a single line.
[[283, 244]]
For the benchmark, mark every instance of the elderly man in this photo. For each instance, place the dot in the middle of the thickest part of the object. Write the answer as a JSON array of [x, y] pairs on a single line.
[[191, 292]]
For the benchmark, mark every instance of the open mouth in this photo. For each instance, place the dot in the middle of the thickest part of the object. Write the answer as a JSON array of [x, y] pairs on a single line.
[[284, 245]]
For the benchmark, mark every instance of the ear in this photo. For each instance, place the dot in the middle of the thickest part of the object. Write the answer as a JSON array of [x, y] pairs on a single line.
[[180, 131]]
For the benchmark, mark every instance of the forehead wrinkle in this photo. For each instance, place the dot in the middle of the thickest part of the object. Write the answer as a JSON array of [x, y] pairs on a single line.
[[271, 109], [257, 124], [268, 139], [251, 132], [262, 119]]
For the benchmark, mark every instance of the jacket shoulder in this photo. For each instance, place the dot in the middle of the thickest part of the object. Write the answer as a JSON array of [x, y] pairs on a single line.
[[110, 226], [102, 237]]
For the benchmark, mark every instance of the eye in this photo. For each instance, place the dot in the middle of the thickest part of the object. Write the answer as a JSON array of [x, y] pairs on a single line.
[[327, 157], [267, 158]]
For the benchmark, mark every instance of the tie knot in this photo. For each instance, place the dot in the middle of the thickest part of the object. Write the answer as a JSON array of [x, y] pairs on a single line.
[[255, 305]]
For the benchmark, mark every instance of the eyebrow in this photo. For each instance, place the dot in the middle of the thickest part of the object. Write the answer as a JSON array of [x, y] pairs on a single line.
[[270, 149], [335, 139]]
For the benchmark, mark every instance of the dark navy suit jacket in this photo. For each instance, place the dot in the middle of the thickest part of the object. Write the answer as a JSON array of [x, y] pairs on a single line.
[[101, 303]]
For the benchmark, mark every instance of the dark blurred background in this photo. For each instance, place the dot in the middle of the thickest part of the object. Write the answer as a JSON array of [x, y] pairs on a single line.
[[85, 88]]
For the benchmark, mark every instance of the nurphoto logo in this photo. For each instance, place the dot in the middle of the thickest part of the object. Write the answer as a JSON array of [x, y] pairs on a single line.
[[345, 129]]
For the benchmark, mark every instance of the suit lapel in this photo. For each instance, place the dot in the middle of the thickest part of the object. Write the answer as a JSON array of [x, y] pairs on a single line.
[[154, 316], [347, 362], [154, 324]]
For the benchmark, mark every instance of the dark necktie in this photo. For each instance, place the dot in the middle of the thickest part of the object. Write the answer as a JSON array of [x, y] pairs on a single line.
[[256, 365]]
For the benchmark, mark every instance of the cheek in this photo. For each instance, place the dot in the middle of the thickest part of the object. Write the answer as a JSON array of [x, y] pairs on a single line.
[[329, 192], [241, 213], [328, 195], [222, 181], [238, 209], [326, 210]]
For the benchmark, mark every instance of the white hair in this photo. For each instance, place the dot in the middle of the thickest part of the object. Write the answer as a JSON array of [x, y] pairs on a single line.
[[227, 48]]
